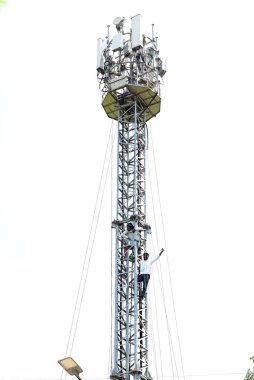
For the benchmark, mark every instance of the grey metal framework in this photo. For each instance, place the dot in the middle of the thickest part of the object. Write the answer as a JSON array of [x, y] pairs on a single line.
[[129, 69], [131, 350]]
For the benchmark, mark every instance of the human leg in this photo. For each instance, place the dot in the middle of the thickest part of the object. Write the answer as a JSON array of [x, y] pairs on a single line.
[[140, 279], [125, 251], [146, 278]]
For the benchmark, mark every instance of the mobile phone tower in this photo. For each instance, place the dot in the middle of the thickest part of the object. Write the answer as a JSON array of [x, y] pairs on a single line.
[[129, 71]]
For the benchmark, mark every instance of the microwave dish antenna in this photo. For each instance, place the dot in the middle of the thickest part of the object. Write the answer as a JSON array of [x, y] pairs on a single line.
[[118, 22]]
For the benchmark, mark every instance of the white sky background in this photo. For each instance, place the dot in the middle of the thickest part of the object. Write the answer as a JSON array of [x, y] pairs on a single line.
[[53, 135]]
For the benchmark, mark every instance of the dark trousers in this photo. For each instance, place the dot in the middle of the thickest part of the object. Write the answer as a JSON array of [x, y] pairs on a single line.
[[145, 279]]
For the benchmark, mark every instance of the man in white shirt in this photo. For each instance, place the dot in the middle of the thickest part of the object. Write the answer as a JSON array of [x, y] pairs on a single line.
[[145, 271]]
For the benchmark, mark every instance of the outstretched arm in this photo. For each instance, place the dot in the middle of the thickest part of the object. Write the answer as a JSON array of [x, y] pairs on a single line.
[[157, 258]]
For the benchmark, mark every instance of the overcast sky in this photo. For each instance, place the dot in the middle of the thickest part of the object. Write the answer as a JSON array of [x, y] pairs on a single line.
[[53, 139]]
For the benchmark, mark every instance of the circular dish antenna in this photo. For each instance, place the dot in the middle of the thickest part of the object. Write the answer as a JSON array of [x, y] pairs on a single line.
[[118, 22]]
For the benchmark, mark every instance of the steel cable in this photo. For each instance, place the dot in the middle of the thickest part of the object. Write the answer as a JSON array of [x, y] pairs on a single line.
[[91, 251], [168, 267], [86, 253], [171, 348]]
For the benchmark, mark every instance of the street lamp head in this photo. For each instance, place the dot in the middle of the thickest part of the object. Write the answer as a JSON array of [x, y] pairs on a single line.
[[70, 366]]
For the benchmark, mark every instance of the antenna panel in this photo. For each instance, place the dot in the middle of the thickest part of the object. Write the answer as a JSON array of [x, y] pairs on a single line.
[[136, 36], [162, 68], [101, 44], [117, 42]]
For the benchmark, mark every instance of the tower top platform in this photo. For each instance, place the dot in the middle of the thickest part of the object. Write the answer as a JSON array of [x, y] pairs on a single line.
[[146, 97], [129, 67]]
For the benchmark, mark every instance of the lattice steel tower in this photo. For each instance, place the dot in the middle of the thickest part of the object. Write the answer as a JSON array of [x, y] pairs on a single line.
[[129, 73]]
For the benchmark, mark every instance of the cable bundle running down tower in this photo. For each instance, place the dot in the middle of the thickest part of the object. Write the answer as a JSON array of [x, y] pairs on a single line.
[[129, 72]]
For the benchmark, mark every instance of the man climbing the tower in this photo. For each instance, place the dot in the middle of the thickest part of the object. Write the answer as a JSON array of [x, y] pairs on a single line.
[[131, 239], [145, 271]]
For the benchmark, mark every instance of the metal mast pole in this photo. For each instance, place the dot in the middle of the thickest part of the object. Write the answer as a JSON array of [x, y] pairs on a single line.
[[129, 68]]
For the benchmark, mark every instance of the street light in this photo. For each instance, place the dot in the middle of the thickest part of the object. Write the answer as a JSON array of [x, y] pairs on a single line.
[[71, 367]]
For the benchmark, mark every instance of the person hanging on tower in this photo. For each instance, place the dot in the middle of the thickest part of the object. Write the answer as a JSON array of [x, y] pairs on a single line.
[[145, 271], [131, 239]]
